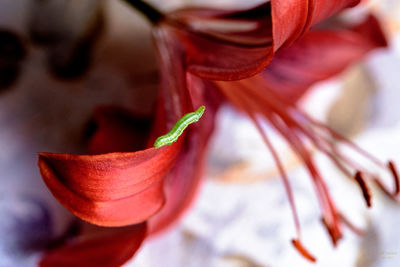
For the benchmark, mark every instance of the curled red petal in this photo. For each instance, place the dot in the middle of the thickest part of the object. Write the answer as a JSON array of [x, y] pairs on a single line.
[[110, 189], [219, 61], [107, 250], [118, 189], [214, 50], [249, 27], [118, 130], [184, 179], [320, 54], [292, 18]]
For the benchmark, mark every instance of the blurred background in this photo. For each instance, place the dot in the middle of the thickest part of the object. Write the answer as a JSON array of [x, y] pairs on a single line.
[[59, 59]]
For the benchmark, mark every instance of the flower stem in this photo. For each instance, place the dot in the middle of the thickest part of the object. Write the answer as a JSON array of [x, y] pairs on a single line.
[[150, 12]]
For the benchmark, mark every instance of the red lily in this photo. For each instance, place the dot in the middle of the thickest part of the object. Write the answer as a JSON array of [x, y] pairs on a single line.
[[273, 94], [154, 186]]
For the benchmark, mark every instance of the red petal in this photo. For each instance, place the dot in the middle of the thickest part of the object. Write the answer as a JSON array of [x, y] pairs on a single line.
[[216, 52], [241, 27], [271, 94], [108, 250], [318, 56], [111, 189], [292, 18], [118, 189], [233, 53], [224, 61], [184, 180], [118, 130]]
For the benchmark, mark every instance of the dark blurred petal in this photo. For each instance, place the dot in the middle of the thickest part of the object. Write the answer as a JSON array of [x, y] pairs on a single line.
[[8, 74], [12, 51], [70, 30], [11, 47]]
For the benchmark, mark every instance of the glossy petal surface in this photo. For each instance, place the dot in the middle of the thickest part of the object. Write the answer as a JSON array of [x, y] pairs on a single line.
[[110, 189]]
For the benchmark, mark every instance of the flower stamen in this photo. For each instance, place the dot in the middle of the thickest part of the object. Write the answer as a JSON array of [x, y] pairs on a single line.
[[300, 131], [299, 246], [395, 174], [361, 182]]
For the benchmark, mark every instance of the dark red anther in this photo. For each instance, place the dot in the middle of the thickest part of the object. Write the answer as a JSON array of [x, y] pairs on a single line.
[[361, 182], [303, 251], [12, 52], [396, 178], [335, 235]]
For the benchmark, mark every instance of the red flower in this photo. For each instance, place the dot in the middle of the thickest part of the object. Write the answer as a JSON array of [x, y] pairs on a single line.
[[273, 94], [197, 47]]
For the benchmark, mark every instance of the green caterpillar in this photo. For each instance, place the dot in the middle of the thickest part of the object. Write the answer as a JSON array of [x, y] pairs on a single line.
[[179, 127]]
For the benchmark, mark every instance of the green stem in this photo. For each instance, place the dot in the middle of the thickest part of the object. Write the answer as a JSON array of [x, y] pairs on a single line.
[[151, 13]]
